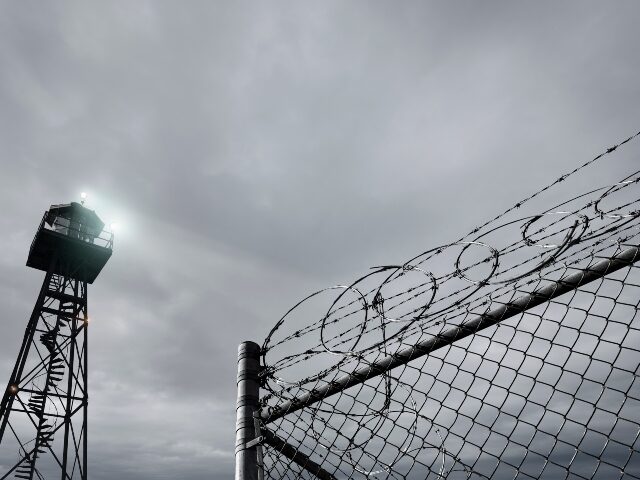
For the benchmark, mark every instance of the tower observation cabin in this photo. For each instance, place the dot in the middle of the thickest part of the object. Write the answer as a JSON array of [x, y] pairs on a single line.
[[71, 241]]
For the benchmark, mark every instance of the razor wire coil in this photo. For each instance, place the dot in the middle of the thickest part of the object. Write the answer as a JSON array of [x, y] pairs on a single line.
[[552, 392]]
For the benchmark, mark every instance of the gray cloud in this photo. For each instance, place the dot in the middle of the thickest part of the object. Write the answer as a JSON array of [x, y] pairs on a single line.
[[255, 152]]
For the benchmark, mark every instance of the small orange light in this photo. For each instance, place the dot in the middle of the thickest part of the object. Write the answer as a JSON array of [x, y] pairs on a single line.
[[13, 389]]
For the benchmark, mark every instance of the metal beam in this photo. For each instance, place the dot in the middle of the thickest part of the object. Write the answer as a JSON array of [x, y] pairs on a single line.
[[488, 319], [292, 453]]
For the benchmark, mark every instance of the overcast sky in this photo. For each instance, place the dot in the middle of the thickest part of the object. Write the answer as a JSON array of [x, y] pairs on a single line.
[[254, 152]]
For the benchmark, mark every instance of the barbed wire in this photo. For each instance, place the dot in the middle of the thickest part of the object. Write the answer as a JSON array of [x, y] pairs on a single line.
[[539, 395]]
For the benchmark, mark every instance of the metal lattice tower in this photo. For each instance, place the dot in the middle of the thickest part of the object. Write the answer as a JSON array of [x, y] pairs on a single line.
[[43, 415]]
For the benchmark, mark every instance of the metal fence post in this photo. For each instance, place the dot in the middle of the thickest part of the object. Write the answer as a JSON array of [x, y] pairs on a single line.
[[247, 404]]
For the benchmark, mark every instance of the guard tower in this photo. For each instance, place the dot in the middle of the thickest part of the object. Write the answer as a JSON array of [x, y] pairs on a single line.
[[43, 415]]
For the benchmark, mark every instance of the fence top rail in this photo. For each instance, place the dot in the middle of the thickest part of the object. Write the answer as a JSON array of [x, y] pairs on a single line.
[[553, 290]]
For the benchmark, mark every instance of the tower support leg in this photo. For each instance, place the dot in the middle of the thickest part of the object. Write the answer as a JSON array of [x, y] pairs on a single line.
[[47, 389]]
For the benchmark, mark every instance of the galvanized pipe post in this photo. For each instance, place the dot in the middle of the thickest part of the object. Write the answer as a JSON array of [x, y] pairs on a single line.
[[246, 406]]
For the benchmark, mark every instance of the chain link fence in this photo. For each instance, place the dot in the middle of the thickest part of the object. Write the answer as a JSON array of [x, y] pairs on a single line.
[[512, 352]]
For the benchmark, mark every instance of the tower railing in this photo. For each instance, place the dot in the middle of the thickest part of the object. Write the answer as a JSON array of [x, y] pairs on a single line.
[[103, 238]]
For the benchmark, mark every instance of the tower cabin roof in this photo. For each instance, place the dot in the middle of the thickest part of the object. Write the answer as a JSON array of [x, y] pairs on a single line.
[[76, 211], [71, 242]]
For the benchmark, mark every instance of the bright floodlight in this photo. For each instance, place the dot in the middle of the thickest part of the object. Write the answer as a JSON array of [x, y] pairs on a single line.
[[83, 196], [113, 226]]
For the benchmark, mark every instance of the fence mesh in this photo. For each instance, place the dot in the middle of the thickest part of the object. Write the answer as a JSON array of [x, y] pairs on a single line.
[[550, 391]]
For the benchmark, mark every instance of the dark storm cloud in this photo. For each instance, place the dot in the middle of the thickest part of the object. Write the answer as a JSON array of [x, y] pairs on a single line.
[[259, 151]]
